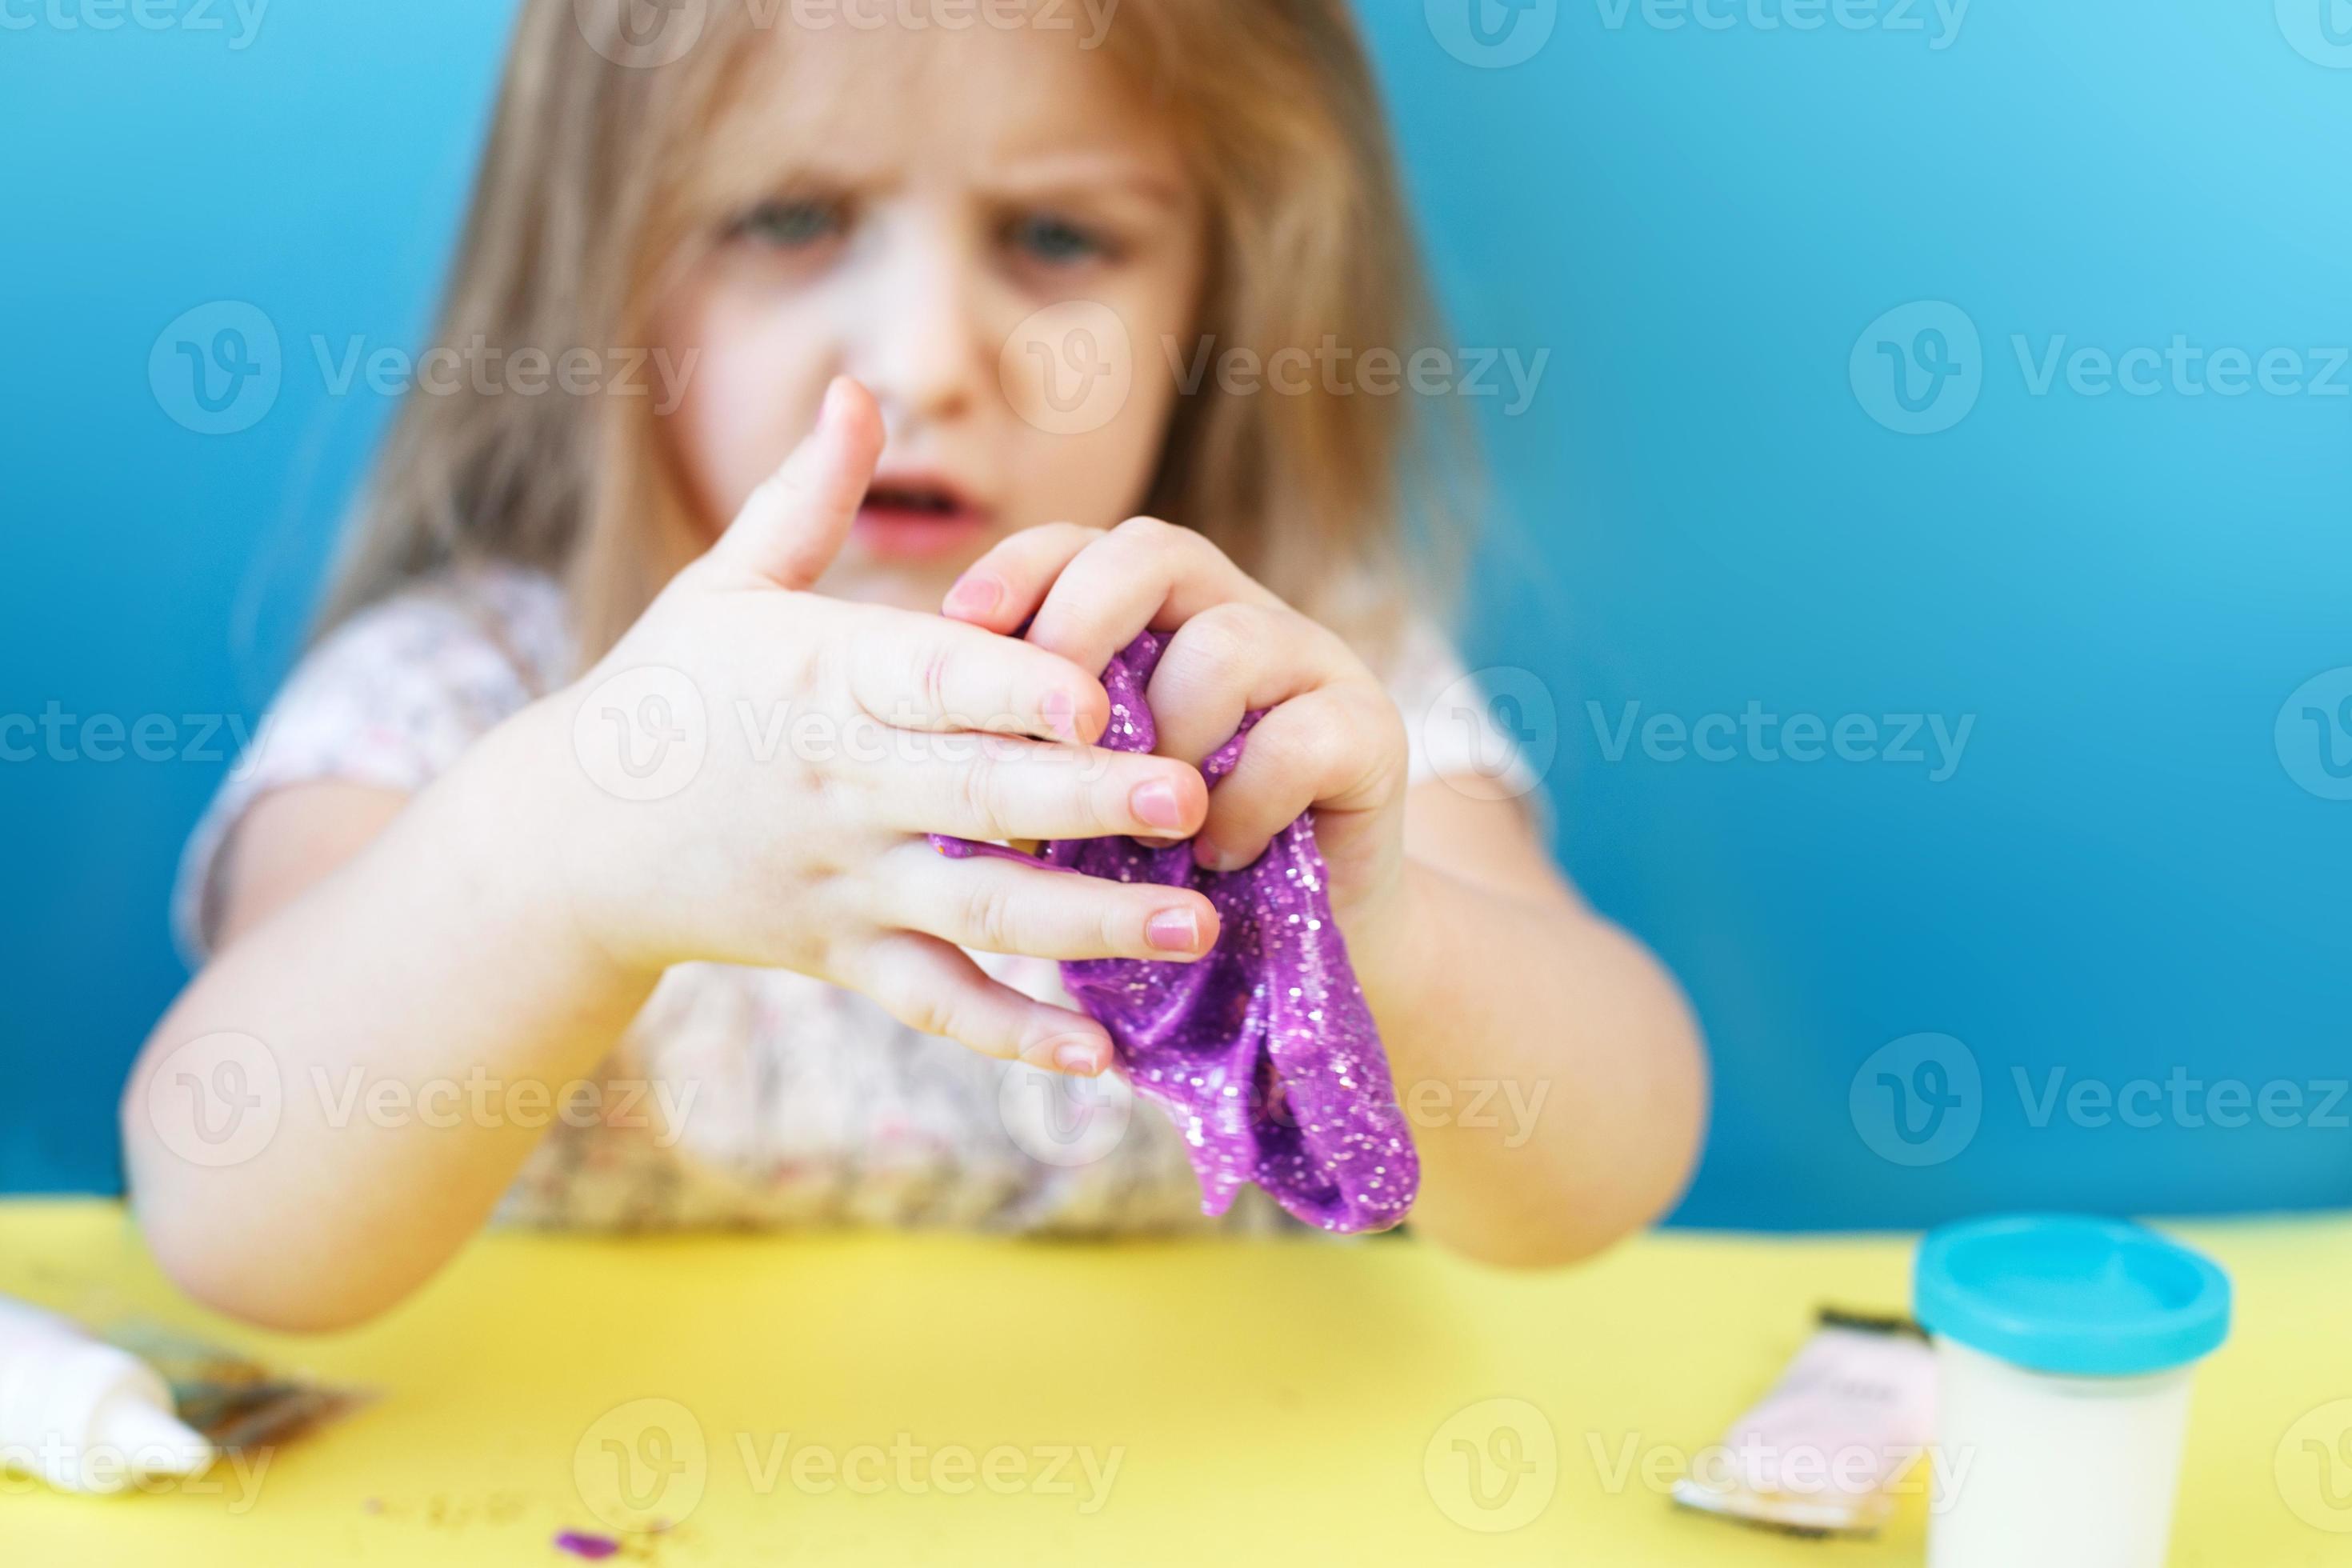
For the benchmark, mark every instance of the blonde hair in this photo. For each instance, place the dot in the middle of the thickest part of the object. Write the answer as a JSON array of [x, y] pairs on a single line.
[[579, 223]]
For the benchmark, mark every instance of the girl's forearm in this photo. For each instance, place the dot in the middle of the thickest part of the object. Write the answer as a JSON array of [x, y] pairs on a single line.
[[392, 1038], [1551, 1069]]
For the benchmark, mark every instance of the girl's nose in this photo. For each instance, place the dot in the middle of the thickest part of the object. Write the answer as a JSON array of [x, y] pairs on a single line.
[[922, 358]]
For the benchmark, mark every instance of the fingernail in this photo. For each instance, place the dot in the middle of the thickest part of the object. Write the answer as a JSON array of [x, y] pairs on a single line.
[[1173, 931], [830, 410], [1080, 1057], [1208, 856], [978, 594], [1156, 804]]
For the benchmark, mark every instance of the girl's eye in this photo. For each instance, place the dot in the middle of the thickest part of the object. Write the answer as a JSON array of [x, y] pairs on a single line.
[[1055, 242], [790, 226]]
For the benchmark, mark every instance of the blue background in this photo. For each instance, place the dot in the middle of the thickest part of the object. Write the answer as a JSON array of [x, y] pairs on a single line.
[[2123, 877]]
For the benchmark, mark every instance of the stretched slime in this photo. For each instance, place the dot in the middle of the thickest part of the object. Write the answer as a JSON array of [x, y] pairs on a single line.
[[1263, 1052]]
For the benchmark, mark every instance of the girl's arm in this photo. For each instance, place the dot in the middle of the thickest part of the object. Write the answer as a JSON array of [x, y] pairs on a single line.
[[1549, 1066], [336, 1102], [365, 942], [1550, 1069]]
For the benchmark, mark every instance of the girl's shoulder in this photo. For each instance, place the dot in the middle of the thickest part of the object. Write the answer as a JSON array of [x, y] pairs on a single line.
[[1454, 729], [390, 698]]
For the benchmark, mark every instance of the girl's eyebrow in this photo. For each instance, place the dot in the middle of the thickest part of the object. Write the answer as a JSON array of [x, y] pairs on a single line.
[[1087, 174]]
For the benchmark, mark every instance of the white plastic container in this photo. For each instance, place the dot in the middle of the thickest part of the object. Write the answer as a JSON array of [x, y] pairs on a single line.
[[82, 1416], [2065, 1350]]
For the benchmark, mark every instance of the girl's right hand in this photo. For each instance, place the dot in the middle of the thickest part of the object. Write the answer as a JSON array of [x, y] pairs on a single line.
[[820, 741]]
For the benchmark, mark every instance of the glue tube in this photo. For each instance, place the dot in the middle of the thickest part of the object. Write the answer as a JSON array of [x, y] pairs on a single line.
[[83, 1415]]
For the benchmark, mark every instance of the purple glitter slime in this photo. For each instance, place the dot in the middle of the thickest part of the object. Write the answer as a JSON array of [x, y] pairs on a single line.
[[1263, 1052]]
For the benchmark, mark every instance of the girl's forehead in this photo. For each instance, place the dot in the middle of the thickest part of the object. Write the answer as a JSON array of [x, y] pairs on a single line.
[[981, 101]]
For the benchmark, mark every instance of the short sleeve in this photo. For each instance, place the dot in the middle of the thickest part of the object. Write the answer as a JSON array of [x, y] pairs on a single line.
[[1451, 729], [390, 699]]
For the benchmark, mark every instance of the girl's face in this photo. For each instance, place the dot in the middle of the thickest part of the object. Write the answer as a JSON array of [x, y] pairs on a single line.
[[944, 188]]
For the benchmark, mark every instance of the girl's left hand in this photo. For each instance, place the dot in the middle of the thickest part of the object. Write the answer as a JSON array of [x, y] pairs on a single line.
[[1331, 740]]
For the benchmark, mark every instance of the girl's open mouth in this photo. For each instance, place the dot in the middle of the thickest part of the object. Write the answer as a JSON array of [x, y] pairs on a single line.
[[915, 517]]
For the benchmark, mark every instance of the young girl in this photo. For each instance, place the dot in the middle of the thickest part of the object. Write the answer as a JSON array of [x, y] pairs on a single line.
[[595, 823]]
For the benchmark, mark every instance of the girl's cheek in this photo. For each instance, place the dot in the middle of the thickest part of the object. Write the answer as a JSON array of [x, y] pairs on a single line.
[[750, 390]]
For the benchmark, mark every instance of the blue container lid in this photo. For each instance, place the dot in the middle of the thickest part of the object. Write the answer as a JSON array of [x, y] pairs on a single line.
[[2064, 1293]]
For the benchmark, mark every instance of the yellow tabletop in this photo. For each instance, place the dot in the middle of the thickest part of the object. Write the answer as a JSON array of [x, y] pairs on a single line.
[[944, 1399]]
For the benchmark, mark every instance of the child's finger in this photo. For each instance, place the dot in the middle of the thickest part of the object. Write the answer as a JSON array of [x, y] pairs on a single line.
[[793, 525], [1004, 588], [1002, 906], [926, 985], [1142, 573], [1336, 747], [1231, 659], [921, 672], [1008, 789]]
